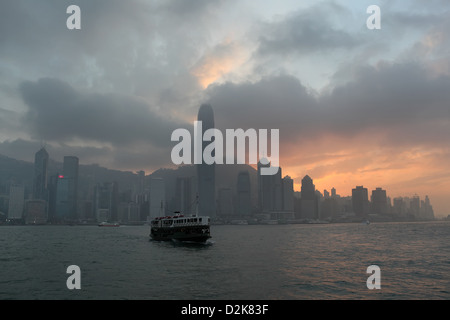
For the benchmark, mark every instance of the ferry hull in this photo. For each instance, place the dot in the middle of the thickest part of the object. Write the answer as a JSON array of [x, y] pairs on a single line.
[[192, 234]]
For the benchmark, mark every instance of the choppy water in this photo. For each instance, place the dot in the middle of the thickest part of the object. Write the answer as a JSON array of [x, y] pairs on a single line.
[[241, 262]]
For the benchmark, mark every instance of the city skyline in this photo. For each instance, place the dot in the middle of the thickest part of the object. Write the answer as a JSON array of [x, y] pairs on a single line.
[[57, 198], [354, 106]]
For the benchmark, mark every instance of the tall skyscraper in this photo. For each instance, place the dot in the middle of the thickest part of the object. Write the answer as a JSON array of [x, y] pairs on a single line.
[[288, 194], [277, 182], [309, 205], [206, 173], [427, 209], [264, 189], [185, 196], [106, 202], [399, 206], [360, 201], [243, 199], [414, 206], [379, 201], [270, 193], [40, 175], [67, 190]]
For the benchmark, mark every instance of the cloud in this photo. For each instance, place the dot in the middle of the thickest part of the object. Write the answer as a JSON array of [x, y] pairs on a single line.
[[307, 31], [217, 62], [391, 96], [59, 113]]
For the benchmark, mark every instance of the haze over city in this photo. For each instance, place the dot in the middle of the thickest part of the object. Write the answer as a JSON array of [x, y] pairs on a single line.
[[353, 106]]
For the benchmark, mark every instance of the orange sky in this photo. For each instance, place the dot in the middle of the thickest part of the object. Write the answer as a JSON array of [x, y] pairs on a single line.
[[400, 172]]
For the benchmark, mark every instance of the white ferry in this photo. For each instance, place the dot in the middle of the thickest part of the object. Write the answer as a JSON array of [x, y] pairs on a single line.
[[180, 228]]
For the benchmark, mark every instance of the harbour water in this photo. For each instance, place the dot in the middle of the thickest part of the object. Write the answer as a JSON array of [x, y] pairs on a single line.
[[250, 262]]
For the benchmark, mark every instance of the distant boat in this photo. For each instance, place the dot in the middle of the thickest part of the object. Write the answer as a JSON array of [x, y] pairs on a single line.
[[367, 222], [108, 224]]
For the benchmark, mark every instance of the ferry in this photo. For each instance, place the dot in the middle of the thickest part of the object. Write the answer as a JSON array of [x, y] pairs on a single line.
[[180, 228]]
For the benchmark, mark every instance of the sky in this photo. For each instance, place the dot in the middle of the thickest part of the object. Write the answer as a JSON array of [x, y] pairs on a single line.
[[354, 106]]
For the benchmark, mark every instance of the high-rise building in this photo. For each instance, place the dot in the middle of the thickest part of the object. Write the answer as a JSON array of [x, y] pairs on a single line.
[[40, 175], [185, 197], [157, 198], [414, 206], [399, 207], [264, 189], [270, 190], [16, 202], [70, 171], [106, 202], [333, 192], [309, 205], [360, 201], [243, 196], [379, 201], [277, 183], [206, 172], [427, 209], [52, 187], [67, 191], [288, 194]]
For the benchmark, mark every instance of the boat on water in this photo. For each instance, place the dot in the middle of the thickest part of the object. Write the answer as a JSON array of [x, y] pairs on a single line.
[[108, 224], [180, 228]]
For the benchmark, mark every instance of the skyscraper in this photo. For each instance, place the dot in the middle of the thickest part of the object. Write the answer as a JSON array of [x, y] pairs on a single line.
[[67, 190], [206, 172], [270, 193], [185, 196], [106, 202], [427, 209], [360, 201], [379, 201], [40, 175], [309, 206], [288, 194], [264, 189]]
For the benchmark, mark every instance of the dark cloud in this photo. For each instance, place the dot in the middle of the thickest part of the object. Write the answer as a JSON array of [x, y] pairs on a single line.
[[399, 99], [388, 95], [307, 31], [57, 112]]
